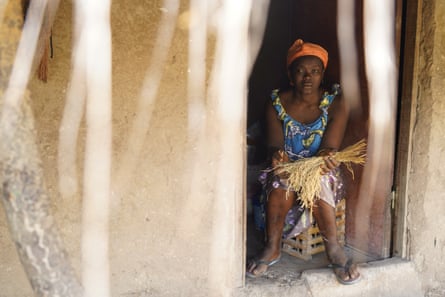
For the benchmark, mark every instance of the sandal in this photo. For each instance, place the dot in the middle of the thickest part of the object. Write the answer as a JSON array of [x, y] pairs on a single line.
[[257, 263], [340, 270]]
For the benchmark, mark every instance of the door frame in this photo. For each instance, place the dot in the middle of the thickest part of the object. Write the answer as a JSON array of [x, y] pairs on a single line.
[[409, 50]]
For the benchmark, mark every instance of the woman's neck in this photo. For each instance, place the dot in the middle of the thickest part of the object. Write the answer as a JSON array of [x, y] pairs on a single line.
[[308, 98]]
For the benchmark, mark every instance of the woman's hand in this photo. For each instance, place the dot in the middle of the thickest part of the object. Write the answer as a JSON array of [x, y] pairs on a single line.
[[330, 162], [279, 157]]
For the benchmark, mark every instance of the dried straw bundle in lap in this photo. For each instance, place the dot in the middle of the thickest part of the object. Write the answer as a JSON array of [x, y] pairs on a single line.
[[304, 175]]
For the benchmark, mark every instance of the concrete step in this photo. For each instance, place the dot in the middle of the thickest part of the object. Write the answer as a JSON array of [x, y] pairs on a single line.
[[387, 278]]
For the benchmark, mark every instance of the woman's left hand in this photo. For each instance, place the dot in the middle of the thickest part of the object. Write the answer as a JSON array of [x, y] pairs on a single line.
[[330, 162]]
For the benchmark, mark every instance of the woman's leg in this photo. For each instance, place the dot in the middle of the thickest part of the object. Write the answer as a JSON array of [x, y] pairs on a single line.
[[324, 215], [278, 205]]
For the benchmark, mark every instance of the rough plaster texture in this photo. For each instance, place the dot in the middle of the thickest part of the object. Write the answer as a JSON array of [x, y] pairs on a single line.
[[426, 205], [151, 255]]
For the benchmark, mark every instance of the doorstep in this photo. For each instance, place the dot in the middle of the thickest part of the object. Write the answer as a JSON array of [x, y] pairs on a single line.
[[393, 277]]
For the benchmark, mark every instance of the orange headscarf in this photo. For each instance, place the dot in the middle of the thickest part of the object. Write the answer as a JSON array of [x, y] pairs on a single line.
[[301, 48]]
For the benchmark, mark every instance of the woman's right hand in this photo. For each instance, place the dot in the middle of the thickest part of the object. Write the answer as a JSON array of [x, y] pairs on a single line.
[[279, 157]]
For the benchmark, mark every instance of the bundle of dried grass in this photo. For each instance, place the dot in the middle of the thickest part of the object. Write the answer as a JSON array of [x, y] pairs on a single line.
[[304, 175]]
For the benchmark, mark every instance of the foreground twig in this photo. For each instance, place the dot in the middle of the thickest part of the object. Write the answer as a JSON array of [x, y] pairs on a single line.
[[24, 195]]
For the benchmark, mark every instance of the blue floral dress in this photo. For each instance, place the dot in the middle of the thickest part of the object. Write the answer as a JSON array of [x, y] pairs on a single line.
[[303, 141]]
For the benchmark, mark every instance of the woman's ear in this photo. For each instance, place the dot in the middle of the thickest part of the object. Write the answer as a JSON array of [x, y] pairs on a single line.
[[290, 76]]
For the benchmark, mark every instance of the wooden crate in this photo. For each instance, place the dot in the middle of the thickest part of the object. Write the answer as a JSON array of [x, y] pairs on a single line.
[[310, 242]]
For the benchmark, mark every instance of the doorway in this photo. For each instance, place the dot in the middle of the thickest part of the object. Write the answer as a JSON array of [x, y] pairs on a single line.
[[315, 21]]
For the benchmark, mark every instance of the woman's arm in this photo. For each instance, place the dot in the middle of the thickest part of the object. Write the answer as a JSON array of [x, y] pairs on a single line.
[[335, 129], [333, 135], [275, 136]]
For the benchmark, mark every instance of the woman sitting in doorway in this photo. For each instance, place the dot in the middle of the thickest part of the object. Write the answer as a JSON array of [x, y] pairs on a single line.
[[302, 122]]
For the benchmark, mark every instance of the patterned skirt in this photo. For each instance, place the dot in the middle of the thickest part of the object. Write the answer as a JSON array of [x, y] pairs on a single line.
[[298, 218]]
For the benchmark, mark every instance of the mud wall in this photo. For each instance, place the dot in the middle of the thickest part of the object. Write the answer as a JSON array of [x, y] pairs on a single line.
[[426, 188], [159, 241]]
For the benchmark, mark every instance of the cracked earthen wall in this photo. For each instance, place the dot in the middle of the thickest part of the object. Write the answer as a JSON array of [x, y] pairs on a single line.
[[426, 188]]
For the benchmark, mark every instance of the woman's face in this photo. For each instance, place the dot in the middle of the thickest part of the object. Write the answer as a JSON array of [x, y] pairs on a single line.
[[307, 74]]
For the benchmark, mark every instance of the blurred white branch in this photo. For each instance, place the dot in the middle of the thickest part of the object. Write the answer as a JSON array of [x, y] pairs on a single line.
[[381, 73], [23, 61], [73, 113], [229, 97], [348, 53], [96, 195]]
